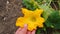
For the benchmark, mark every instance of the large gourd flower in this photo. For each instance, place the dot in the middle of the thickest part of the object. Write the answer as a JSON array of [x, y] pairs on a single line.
[[32, 18]]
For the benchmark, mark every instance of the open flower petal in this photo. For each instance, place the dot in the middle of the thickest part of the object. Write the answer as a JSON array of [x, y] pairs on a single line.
[[32, 18]]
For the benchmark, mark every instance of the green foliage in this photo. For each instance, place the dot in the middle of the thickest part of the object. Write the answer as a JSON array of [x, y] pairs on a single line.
[[30, 4], [53, 20], [33, 4]]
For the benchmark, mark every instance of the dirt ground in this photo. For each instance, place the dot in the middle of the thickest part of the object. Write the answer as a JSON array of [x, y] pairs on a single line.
[[9, 12]]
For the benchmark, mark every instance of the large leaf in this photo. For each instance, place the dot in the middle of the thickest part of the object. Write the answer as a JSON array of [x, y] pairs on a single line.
[[53, 20]]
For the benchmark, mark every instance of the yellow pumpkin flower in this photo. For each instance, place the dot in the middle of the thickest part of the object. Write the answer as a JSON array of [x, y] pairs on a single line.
[[32, 18]]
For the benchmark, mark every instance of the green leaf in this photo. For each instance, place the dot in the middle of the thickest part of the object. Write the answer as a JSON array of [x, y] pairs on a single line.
[[54, 20], [48, 24]]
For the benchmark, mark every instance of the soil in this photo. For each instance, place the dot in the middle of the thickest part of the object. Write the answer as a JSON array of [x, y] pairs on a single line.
[[9, 12]]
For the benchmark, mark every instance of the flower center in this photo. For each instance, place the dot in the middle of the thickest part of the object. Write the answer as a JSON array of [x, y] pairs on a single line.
[[33, 19]]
